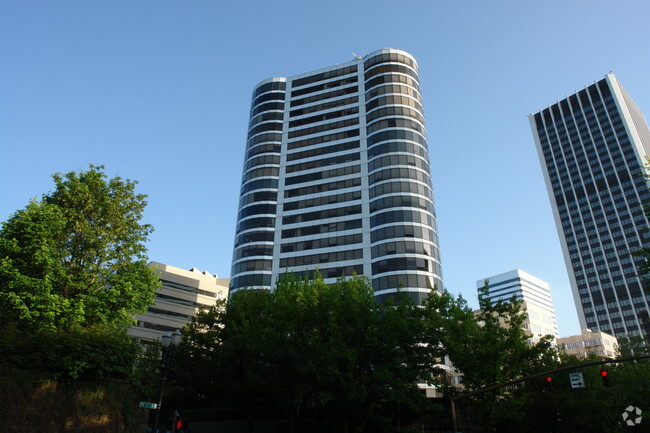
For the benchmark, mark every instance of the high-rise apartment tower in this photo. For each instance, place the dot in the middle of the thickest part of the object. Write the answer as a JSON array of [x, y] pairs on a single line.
[[593, 147], [336, 178]]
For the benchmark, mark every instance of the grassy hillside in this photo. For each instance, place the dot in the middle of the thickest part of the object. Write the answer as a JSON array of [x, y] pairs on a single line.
[[88, 407]]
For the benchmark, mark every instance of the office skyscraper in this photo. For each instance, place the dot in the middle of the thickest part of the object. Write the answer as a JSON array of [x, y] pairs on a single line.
[[533, 292], [336, 177], [592, 147]]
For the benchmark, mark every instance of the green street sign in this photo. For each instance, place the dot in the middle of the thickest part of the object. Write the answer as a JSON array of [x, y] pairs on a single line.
[[146, 405]]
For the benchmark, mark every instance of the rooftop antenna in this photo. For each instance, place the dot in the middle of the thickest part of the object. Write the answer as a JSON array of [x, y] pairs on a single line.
[[357, 56]]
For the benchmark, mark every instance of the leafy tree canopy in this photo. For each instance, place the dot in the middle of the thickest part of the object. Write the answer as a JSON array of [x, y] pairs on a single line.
[[487, 347], [307, 346], [335, 351], [76, 257]]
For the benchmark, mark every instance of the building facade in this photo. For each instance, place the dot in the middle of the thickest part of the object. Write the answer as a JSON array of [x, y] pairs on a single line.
[[182, 294], [337, 178], [589, 342], [593, 147], [535, 295]]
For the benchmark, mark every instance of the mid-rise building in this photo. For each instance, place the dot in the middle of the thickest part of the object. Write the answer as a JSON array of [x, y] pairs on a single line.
[[337, 178], [182, 294], [589, 342], [593, 147], [535, 295]]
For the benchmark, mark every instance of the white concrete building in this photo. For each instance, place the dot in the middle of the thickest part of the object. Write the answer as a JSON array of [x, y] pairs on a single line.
[[182, 294], [589, 342], [535, 294]]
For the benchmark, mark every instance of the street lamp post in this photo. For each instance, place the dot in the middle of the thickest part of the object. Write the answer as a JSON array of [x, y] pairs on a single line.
[[169, 342]]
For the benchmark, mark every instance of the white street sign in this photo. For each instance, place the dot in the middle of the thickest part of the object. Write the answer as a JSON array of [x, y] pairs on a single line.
[[577, 380]]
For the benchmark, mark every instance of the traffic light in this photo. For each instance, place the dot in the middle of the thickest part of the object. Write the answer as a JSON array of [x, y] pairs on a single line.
[[181, 426], [549, 383], [605, 376]]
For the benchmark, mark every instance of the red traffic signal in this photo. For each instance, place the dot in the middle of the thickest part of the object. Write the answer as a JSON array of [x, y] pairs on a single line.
[[549, 382], [181, 425], [605, 375]]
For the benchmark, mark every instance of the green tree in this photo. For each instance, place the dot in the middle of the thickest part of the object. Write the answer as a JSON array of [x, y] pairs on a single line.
[[594, 408], [488, 347], [308, 348], [73, 272], [77, 256]]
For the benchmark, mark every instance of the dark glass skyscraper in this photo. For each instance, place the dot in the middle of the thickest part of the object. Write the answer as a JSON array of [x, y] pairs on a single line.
[[336, 177], [593, 147]]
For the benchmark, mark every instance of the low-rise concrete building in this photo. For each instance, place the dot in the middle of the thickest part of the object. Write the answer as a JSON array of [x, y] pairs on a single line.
[[182, 294], [588, 342]]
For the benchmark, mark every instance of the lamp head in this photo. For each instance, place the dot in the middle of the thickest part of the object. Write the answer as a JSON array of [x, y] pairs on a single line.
[[166, 340], [176, 338]]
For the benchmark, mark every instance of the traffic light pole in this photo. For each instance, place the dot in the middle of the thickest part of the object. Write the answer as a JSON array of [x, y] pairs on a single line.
[[533, 376], [169, 342], [163, 380]]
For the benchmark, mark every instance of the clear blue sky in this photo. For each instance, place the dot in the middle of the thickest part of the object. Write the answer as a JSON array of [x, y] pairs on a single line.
[[159, 92]]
